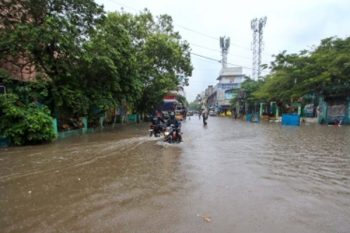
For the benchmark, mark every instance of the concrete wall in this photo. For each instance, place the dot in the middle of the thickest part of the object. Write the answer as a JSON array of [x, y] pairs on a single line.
[[329, 111]]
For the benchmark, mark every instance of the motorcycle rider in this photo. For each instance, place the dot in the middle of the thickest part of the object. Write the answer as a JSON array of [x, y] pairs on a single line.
[[156, 122], [172, 121]]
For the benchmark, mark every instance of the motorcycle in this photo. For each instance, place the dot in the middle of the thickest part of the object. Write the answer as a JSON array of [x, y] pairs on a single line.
[[156, 128], [172, 134]]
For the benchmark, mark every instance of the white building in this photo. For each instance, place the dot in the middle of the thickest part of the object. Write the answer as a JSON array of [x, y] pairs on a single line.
[[230, 79]]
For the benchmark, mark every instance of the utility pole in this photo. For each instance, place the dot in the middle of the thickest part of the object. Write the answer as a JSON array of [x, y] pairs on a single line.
[[257, 25]]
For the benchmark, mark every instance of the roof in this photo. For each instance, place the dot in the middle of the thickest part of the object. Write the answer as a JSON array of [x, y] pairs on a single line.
[[230, 71]]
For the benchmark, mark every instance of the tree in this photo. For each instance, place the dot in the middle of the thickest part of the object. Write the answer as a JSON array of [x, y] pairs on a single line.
[[24, 124], [323, 71], [91, 61], [49, 35], [163, 59], [195, 105], [109, 67]]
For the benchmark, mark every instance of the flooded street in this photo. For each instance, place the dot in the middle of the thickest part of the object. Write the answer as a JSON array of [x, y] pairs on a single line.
[[230, 176]]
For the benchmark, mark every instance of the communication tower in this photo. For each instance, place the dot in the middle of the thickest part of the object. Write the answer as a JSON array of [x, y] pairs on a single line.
[[224, 45], [257, 25]]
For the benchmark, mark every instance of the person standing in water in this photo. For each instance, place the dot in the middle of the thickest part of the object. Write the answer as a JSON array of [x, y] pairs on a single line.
[[205, 116]]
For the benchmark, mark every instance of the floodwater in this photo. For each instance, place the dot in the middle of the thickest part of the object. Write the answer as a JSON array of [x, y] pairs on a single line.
[[230, 176]]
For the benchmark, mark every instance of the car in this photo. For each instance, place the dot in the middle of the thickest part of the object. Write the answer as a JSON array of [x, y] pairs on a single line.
[[212, 113]]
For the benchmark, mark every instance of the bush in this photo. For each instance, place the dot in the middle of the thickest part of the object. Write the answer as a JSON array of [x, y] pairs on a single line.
[[24, 124]]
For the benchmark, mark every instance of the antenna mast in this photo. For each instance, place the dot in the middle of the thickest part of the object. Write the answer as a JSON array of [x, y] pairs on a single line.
[[257, 25], [224, 45]]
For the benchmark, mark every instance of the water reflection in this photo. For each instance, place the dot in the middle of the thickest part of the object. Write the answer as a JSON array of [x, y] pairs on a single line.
[[245, 177]]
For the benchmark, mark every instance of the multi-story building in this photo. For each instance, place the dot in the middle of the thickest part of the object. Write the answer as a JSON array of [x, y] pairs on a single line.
[[19, 66], [230, 79]]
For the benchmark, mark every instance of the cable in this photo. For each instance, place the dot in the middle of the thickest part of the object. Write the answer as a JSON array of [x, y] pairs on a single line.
[[216, 50], [202, 56], [183, 27], [209, 36], [213, 59], [200, 33], [123, 5]]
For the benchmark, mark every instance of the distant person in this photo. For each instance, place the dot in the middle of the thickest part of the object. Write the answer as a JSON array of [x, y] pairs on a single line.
[[177, 124], [172, 120], [205, 116], [235, 113], [318, 111], [157, 118], [159, 114]]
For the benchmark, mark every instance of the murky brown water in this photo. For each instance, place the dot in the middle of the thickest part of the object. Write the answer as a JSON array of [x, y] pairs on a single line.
[[231, 176]]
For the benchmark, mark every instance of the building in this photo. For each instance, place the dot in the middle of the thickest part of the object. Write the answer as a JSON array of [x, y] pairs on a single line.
[[20, 66], [229, 82]]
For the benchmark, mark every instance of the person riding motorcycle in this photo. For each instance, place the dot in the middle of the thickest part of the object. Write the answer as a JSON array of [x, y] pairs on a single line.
[[177, 125], [157, 121]]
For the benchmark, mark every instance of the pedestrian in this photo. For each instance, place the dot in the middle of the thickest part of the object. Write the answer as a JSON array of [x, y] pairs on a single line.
[[205, 116], [235, 113], [318, 110]]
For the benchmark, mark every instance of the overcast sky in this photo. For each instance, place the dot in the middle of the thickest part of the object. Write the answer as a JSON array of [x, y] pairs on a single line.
[[292, 25]]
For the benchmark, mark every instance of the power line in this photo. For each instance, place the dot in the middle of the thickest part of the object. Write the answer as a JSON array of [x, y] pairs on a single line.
[[217, 60], [183, 27], [200, 33], [197, 32], [209, 36], [123, 5], [205, 57], [216, 50]]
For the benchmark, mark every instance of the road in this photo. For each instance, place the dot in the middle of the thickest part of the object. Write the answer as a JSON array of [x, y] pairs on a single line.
[[230, 176]]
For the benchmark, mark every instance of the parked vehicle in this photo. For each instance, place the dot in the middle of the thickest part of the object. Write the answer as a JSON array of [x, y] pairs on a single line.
[[212, 113]]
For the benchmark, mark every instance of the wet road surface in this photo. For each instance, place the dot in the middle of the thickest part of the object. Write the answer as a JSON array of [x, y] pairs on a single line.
[[230, 176]]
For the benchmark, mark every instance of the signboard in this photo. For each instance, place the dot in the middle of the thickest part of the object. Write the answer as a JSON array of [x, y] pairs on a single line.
[[169, 98]]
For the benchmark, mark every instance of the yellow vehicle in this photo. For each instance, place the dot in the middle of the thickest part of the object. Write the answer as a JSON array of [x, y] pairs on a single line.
[[179, 115]]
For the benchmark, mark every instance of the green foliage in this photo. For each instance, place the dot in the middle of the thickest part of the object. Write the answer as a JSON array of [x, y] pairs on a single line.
[[195, 105], [324, 71], [50, 35], [110, 69], [24, 124], [246, 94], [27, 92], [91, 62], [162, 58], [182, 100]]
